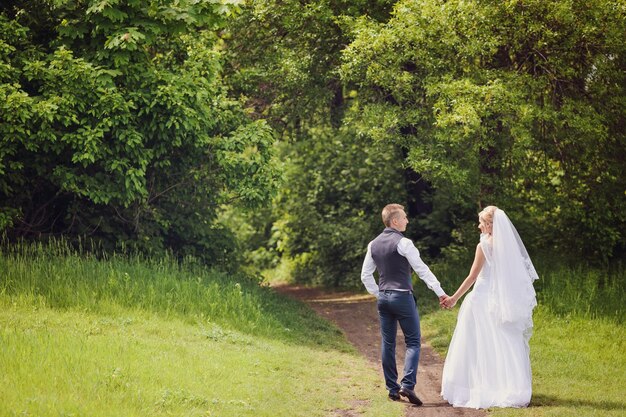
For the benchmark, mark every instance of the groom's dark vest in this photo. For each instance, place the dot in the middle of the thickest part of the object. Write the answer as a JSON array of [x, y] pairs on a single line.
[[393, 268]]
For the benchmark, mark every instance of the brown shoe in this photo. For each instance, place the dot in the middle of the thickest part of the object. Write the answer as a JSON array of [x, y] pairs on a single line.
[[410, 395]]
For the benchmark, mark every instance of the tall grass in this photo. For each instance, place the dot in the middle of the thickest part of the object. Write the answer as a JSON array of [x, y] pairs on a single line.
[[56, 276], [583, 291]]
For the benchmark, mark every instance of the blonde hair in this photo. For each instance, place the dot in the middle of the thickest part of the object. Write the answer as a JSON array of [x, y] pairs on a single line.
[[390, 211], [487, 213]]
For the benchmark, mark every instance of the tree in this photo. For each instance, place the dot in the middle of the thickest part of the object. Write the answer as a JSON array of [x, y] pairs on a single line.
[[515, 103], [337, 185], [283, 58], [116, 123]]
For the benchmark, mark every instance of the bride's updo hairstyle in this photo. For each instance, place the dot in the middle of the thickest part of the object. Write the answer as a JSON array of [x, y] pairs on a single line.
[[487, 213]]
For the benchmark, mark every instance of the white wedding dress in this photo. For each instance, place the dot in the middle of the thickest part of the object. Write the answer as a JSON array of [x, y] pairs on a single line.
[[488, 362]]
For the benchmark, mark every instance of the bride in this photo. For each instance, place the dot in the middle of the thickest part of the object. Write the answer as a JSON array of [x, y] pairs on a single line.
[[488, 363]]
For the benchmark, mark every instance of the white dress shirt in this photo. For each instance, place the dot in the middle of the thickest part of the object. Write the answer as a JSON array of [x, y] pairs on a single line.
[[407, 249]]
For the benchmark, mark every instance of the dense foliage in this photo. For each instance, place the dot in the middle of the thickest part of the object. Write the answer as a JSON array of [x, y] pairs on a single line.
[[138, 122], [519, 104], [326, 212], [116, 124], [283, 57]]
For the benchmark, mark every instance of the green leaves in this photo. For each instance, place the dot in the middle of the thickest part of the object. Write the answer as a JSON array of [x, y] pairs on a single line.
[[119, 125], [246, 166], [336, 185], [500, 103]]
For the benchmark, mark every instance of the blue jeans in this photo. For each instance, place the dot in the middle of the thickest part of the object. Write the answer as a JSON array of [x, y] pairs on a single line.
[[399, 307]]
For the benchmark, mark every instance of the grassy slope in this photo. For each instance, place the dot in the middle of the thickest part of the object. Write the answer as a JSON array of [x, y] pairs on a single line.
[[130, 338], [133, 364]]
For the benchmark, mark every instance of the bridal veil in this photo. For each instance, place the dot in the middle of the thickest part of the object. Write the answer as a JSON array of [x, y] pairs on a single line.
[[512, 296]]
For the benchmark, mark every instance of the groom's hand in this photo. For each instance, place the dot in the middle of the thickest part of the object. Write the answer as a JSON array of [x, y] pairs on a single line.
[[442, 301]]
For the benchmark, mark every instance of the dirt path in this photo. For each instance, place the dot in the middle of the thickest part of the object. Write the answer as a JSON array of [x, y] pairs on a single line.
[[356, 315]]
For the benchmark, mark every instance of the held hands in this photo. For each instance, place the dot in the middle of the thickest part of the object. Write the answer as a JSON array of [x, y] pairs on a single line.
[[447, 302]]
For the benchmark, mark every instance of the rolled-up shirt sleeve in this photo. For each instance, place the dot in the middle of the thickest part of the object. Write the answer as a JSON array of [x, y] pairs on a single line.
[[367, 273], [407, 249]]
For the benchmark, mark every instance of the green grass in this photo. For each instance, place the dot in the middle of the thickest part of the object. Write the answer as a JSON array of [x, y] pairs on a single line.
[[132, 337], [583, 291], [578, 349], [579, 367], [55, 277]]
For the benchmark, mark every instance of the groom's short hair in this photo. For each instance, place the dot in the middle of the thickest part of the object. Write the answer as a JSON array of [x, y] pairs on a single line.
[[390, 211]]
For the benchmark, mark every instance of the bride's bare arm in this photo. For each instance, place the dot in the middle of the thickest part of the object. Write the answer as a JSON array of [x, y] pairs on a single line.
[[477, 265]]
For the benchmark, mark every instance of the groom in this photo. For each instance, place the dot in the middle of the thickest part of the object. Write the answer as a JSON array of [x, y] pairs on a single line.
[[393, 256]]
